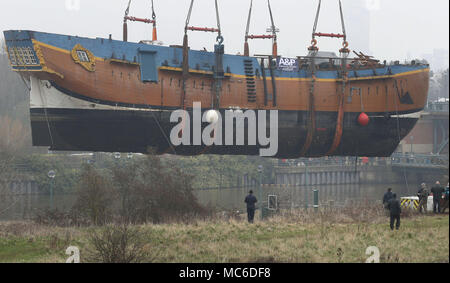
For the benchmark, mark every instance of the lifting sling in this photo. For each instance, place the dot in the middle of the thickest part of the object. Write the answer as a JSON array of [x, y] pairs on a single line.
[[272, 36], [218, 50], [344, 74], [127, 18]]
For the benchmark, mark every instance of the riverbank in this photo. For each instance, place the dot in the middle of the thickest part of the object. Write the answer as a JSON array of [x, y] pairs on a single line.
[[299, 239]]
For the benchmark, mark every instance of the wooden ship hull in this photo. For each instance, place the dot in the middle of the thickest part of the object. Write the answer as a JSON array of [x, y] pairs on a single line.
[[115, 96]]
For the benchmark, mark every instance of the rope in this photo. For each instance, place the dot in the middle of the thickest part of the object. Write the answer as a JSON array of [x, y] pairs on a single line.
[[46, 115], [162, 131], [24, 82]]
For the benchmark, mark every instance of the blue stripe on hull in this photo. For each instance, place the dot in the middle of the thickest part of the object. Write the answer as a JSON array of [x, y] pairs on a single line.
[[173, 57]]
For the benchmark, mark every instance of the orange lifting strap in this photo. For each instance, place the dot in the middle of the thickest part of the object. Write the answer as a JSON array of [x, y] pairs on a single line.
[[127, 18], [273, 36]]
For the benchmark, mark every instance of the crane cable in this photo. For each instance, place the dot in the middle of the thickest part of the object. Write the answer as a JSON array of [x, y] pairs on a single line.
[[316, 22], [311, 127], [185, 74], [153, 11], [219, 36], [219, 29], [342, 21], [273, 30], [127, 11], [317, 19], [247, 30], [274, 33], [341, 113], [126, 18], [188, 19]]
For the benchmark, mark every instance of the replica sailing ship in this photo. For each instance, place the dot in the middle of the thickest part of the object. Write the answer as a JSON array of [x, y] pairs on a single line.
[[117, 96]]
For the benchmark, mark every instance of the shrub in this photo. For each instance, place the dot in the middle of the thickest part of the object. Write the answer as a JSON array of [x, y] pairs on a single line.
[[95, 196], [150, 190], [117, 244]]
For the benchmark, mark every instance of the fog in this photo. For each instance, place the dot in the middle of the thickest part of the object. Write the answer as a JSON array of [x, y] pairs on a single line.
[[387, 29]]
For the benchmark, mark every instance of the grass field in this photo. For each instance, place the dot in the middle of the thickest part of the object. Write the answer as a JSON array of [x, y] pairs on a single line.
[[287, 238]]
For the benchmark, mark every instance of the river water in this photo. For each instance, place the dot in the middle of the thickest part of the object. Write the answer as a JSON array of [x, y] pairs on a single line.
[[22, 207]]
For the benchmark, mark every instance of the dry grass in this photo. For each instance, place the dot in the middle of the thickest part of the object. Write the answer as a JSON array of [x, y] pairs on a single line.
[[327, 236]]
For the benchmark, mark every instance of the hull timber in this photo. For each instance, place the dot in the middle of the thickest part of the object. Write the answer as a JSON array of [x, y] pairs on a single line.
[[122, 98]]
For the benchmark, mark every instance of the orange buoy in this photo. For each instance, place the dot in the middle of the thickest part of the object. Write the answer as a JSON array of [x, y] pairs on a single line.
[[363, 119]]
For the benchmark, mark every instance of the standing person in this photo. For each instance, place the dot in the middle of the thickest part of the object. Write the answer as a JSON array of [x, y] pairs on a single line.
[[395, 211], [446, 195], [437, 191], [423, 195], [250, 200], [387, 197]]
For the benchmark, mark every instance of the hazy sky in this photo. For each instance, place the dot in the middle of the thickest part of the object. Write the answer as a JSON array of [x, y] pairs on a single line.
[[397, 27]]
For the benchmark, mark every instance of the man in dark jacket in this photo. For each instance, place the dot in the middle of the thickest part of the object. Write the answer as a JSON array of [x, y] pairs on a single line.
[[250, 200], [387, 197], [437, 191], [395, 211]]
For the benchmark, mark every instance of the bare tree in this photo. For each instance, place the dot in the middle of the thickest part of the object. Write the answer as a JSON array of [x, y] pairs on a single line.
[[151, 190], [12, 142], [94, 196]]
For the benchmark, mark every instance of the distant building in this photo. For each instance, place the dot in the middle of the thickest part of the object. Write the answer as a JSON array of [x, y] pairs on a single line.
[[439, 59]]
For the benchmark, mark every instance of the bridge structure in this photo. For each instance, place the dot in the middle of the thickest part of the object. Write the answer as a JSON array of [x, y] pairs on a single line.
[[340, 171]]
